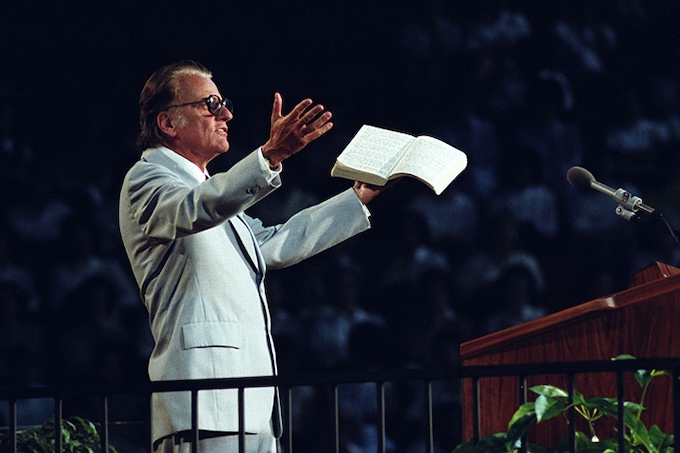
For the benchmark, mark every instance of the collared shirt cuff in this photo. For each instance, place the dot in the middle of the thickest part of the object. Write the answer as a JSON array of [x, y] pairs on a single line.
[[264, 163]]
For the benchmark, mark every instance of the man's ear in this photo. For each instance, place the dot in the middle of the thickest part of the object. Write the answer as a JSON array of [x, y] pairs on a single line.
[[166, 124]]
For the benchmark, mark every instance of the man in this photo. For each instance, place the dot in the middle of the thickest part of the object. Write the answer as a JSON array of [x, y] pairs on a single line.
[[200, 261]]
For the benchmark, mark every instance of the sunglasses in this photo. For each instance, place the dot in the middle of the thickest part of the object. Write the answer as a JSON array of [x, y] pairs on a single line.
[[213, 102]]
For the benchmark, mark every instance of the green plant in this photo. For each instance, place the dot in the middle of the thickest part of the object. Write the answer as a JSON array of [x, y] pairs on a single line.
[[78, 436], [553, 401]]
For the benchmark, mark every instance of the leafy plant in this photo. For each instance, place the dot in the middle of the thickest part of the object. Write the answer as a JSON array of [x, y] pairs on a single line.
[[78, 436], [553, 401]]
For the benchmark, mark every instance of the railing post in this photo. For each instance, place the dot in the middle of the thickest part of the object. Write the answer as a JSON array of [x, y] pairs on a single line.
[[13, 425], [336, 417], [676, 408], [571, 413], [149, 430], [104, 436], [58, 440], [194, 421], [475, 410], [523, 399], [429, 445], [288, 420], [620, 422], [242, 420], [380, 389]]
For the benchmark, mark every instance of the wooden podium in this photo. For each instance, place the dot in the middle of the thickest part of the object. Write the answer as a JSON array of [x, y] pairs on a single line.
[[641, 321]]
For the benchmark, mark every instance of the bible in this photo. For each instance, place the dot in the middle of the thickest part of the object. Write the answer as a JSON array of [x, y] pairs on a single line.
[[376, 156]]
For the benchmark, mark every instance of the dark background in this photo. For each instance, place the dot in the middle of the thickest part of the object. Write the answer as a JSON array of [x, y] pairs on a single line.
[[72, 71]]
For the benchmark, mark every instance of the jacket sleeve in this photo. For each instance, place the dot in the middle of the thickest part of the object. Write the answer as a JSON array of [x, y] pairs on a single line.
[[311, 230], [167, 207]]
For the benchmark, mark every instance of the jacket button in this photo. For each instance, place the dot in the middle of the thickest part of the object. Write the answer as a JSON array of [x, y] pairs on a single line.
[[253, 189]]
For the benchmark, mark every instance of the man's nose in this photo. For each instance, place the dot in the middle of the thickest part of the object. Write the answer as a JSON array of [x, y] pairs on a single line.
[[225, 114]]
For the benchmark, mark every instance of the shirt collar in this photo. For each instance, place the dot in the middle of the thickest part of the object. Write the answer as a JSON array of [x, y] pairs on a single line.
[[185, 164]]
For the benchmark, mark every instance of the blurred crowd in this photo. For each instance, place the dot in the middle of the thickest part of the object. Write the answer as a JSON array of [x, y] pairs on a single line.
[[526, 91]]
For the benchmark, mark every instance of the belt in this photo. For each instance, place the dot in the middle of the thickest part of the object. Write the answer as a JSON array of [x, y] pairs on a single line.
[[187, 436]]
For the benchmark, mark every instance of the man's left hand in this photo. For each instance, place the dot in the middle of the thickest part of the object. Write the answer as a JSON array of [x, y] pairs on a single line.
[[290, 133], [367, 192]]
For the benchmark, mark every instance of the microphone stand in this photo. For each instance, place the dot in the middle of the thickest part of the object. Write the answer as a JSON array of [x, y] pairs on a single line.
[[663, 225]]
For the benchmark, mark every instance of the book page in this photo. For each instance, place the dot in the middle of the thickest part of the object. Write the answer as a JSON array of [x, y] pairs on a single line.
[[430, 159], [375, 150]]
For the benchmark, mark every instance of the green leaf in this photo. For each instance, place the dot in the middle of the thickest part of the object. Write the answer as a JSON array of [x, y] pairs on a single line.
[[578, 399], [78, 435], [656, 373], [629, 406], [639, 432], [87, 426], [659, 438], [524, 410], [541, 405], [66, 435], [624, 357], [643, 377], [486, 444], [547, 408], [607, 405], [466, 447], [582, 439], [549, 390], [533, 448], [492, 444], [520, 422]]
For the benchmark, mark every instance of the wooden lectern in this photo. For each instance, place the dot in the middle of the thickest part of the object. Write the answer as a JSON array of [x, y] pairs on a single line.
[[641, 321]]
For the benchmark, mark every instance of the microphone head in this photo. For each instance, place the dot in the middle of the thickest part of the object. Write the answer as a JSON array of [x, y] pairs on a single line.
[[580, 177]]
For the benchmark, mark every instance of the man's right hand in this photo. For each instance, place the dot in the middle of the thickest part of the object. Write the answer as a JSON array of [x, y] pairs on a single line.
[[290, 133]]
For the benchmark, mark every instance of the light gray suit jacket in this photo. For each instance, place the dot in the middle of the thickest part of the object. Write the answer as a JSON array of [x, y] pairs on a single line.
[[200, 264]]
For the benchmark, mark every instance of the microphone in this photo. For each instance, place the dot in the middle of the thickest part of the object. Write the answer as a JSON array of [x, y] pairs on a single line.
[[629, 204]]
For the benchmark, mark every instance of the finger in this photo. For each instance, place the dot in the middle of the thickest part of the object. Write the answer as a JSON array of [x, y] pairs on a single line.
[[299, 109], [320, 121], [390, 184], [309, 115], [277, 106], [316, 133]]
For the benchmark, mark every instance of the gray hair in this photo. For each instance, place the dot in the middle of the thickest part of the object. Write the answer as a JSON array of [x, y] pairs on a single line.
[[160, 90]]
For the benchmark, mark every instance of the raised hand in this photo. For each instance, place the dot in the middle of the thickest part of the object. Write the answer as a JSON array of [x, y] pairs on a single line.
[[290, 133]]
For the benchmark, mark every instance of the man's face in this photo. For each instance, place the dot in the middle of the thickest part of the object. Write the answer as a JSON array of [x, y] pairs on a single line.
[[201, 133]]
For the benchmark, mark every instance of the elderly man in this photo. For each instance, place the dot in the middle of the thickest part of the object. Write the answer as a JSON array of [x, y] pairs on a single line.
[[200, 261]]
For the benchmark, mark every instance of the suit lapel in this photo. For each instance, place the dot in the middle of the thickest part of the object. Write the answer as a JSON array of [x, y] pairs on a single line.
[[246, 242]]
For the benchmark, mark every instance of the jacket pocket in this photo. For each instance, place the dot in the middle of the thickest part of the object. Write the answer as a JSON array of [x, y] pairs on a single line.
[[222, 334]]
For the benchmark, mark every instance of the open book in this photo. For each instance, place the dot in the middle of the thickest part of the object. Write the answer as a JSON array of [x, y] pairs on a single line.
[[376, 156]]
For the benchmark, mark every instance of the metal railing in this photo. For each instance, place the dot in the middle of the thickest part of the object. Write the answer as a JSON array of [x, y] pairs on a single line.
[[381, 379]]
